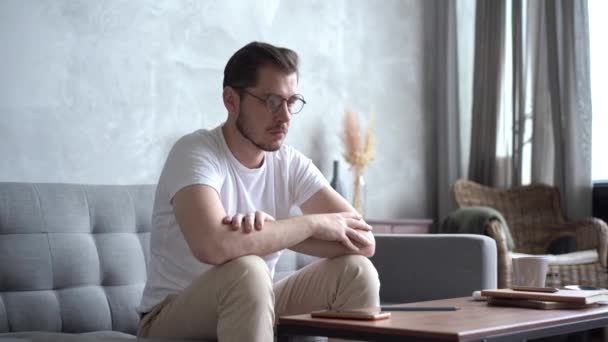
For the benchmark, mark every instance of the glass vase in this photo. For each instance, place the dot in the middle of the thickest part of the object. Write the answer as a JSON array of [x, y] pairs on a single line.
[[359, 192]]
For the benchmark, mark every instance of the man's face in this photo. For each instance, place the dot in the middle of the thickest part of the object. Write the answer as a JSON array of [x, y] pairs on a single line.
[[263, 128]]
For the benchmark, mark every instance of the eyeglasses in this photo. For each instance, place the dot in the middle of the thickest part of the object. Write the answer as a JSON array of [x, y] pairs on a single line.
[[273, 102]]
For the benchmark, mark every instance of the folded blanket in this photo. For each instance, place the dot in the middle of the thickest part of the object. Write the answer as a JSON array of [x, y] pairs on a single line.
[[472, 220]]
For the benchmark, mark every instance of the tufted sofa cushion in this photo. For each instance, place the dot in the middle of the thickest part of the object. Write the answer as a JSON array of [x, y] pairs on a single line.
[[72, 257]]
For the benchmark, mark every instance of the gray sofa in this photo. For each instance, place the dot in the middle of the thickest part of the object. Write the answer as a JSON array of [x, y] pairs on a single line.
[[72, 260]]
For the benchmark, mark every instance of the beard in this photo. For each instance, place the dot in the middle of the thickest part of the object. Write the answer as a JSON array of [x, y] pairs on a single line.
[[244, 125]]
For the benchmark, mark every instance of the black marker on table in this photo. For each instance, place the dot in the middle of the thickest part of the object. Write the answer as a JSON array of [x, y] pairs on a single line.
[[417, 308]]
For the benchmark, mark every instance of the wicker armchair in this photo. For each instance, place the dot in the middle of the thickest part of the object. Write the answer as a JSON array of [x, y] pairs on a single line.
[[535, 220]]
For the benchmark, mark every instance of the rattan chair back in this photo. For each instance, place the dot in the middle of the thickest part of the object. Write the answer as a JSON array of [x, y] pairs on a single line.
[[525, 208]]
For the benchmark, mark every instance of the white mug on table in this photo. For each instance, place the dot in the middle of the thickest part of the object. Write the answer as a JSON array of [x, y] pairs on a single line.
[[530, 271]]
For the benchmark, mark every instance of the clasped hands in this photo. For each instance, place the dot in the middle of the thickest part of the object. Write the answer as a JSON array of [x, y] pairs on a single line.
[[347, 228]]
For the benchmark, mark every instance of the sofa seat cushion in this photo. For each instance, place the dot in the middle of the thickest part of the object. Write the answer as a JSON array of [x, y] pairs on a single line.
[[573, 258]]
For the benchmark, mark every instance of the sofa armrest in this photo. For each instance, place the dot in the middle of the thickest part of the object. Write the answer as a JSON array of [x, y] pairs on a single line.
[[422, 267], [496, 230]]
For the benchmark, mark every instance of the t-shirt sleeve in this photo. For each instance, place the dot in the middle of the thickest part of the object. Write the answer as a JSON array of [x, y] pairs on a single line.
[[192, 160], [306, 178]]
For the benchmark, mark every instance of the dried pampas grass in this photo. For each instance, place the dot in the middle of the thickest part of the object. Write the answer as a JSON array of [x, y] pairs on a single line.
[[358, 151]]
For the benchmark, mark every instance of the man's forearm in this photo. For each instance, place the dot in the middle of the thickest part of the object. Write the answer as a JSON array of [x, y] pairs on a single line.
[[200, 215], [276, 236], [330, 249]]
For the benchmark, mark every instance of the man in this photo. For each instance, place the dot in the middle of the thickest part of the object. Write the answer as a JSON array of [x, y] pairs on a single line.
[[215, 240]]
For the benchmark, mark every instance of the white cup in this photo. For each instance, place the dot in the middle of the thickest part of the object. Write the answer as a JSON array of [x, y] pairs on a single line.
[[530, 271]]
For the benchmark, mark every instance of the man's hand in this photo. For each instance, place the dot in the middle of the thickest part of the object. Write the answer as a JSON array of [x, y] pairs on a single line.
[[248, 222], [344, 228]]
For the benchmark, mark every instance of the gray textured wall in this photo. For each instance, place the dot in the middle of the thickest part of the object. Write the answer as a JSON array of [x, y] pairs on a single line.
[[97, 91]]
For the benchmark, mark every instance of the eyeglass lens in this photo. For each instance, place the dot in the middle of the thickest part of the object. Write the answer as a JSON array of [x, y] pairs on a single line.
[[294, 103]]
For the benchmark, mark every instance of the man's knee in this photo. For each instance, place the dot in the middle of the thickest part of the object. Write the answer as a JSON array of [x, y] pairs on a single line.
[[359, 268], [250, 275], [252, 263], [358, 263]]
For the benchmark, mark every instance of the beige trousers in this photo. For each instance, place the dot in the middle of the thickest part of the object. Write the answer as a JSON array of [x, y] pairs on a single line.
[[237, 301]]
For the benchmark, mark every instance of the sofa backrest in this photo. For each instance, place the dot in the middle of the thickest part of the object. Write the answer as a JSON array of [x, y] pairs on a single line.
[[73, 257]]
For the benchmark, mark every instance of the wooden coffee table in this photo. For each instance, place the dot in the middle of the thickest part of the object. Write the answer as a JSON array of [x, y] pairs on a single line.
[[475, 321]]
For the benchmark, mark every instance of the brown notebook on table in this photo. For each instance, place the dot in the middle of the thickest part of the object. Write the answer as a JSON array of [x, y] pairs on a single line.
[[582, 297], [536, 304]]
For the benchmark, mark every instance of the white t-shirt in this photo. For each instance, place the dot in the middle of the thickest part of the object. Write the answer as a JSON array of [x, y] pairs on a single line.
[[286, 178]]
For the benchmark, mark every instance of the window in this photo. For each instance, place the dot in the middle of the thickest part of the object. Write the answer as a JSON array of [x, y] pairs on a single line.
[[598, 26]]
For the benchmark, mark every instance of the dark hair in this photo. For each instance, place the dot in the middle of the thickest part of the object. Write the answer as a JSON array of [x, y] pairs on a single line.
[[242, 68]]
